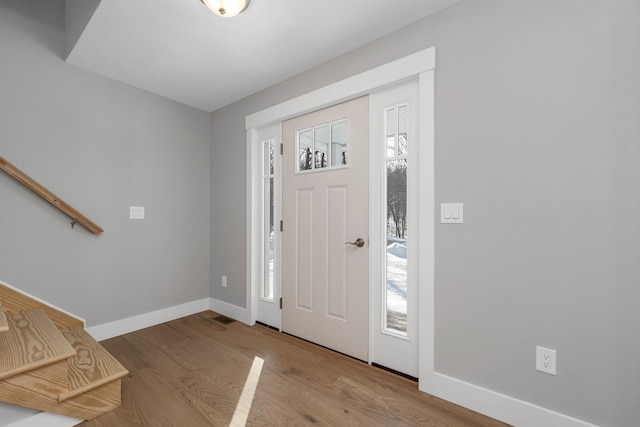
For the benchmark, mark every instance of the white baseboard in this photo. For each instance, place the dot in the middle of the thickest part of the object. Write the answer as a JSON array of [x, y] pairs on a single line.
[[238, 313], [496, 405], [141, 321], [145, 320], [46, 419]]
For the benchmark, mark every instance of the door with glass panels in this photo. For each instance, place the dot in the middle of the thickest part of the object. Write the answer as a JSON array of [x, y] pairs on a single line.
[[325, 263]]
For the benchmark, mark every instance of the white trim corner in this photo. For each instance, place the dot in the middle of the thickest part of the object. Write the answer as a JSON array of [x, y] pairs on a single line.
[[237, 313]]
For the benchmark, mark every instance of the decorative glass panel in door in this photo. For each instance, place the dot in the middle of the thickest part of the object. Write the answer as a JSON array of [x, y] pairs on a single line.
[[323, 146]]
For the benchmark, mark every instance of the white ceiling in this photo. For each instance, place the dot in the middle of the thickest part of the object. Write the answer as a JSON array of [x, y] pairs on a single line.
[[180, 50]]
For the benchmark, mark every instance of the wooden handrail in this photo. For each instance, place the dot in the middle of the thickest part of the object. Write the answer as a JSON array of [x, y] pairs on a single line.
[[34, 186]]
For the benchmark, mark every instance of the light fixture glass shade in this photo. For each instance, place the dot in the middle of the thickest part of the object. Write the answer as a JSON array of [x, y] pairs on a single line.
[[226, 8]]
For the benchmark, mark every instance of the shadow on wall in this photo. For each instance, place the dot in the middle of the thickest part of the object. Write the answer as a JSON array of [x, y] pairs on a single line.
[[49, 14]]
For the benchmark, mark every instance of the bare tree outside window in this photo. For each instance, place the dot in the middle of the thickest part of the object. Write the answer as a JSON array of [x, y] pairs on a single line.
[[396, 147], [397, 198]]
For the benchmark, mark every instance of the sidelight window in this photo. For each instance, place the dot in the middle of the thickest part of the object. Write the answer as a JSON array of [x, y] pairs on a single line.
[[395, 295], [268, 238]]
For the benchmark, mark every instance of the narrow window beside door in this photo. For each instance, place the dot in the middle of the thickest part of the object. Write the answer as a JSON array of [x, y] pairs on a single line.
[[395, 301], [268, 154]]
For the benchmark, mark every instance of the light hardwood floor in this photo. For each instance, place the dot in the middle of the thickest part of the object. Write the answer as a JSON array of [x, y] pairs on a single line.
[[191, 372]]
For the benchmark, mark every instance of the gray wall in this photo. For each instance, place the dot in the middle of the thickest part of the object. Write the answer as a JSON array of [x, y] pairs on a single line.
[[537, 132], [101, 146], [77, 14]]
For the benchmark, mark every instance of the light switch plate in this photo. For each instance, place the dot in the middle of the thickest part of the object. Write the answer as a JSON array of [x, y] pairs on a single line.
[[136, 212], [451, 213]]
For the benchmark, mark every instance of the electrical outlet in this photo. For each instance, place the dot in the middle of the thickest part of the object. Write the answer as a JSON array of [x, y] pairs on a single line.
[[224, 281], [546, 360]]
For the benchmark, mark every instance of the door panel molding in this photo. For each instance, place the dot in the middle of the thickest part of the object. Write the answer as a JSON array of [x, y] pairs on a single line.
[[337, 274], [304, 244]]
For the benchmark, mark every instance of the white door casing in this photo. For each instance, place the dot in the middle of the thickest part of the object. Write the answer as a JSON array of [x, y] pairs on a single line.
[[324, 279]]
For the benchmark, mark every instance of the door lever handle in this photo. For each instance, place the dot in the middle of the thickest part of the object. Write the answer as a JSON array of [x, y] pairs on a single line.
[[359, 242]]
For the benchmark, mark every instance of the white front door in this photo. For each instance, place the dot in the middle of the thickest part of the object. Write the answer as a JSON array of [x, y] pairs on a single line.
[[325, 271]]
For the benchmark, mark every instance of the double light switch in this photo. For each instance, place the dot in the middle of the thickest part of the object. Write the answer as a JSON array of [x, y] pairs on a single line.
[[451, 213]]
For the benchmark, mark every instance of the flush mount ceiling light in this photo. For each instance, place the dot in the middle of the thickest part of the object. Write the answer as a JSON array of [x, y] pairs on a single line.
[[226, 8]]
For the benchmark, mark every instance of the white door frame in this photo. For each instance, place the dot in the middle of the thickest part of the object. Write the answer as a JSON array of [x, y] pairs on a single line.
[[420, 64]]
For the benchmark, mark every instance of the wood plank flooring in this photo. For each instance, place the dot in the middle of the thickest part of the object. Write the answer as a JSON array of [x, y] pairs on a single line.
[[191, 372]]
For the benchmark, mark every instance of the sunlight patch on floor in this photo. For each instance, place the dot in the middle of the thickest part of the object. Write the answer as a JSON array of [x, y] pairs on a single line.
[[248, 391]]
